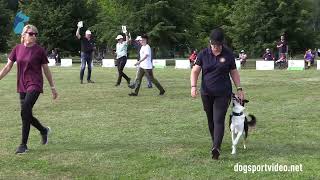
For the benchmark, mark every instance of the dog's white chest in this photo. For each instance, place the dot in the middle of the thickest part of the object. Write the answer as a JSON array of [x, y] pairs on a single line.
[[237, 123]]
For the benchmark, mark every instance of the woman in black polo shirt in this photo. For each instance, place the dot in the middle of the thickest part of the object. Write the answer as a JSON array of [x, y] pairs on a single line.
[[217, 64]]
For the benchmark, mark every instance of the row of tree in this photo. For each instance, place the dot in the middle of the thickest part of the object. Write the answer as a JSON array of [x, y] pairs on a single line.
[[174, 26]]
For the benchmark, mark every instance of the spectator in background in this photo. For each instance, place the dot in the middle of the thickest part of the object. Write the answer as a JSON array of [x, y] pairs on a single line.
[[282, 59], [55, 55], [282, 47], [137, 45], [193, 58], [243, 57], [308, 57], [145, 67], [268, 55], [122, 56], [52, 55], [87, 47]]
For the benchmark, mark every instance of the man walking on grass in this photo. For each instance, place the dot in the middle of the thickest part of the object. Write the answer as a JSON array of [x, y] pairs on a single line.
[[145, 67]]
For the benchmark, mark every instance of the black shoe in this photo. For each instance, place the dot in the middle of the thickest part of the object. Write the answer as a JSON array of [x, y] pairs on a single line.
[[162, 92], [215, 153], [81, 82], [149, 86], [90, 81], [117, 85], [22, 149], [132, 86], [133, 94], [44, 137]]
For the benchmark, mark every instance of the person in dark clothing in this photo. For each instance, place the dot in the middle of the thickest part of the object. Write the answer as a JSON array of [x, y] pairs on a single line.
[[52, 55], [87, 47], [217, 64], [282, 46], [31, 60], [268, 56], [55, 55]]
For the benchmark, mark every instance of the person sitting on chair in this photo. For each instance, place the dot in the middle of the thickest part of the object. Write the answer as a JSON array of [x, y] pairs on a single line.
[[268, 56], [308, 57], [243, 57], [192, 58], [283, 58]]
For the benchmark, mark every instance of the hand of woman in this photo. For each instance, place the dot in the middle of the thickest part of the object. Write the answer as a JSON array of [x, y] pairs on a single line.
[[240, 95], [54, 93], [194, 92]]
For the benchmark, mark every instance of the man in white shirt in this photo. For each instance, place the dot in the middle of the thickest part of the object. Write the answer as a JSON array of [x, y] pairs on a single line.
[[137, 45], [121, 52], [146, 66]]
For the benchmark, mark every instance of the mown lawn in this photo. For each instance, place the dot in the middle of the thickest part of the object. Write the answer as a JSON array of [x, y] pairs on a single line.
[[99, 132]]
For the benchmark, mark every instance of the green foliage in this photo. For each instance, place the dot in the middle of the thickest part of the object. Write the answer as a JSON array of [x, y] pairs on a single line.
[[57, 21], [5, 25], [257, 24]]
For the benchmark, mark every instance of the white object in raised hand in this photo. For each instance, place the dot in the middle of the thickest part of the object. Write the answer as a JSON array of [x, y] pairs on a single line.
[[80, 24]]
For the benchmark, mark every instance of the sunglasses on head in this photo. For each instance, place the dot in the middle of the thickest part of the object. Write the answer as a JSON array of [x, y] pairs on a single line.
[[32, 33]]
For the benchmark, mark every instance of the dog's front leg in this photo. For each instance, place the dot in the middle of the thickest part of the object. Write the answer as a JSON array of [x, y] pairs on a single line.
[[233, 142], [237, 138]]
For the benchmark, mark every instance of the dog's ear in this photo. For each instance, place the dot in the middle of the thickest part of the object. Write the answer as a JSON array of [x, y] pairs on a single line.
[[245, 101]]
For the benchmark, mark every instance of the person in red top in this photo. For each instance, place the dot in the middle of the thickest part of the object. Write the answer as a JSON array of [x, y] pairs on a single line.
[[31, 59], [193, 58]]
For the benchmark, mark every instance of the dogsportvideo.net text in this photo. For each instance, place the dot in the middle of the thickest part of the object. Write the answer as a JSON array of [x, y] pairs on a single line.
[[274, 167]]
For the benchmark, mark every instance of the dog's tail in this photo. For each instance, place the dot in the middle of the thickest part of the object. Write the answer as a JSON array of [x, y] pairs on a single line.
[[253, 120]]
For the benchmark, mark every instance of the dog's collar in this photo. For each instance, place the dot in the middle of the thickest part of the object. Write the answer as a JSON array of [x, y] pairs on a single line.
[[237, 114]]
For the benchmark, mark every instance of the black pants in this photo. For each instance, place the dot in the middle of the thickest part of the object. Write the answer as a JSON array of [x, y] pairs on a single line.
[[149, 74], [121, 62], [86, 59], [27, 101], [216, 108]]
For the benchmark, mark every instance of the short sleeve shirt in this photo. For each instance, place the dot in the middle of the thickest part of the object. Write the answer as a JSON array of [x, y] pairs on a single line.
[[147, 63], [216, 72], [29, 67], [121, 49], [86, 45]]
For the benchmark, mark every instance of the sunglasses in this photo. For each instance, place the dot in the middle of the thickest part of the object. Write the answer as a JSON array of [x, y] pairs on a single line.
[[32, 33]]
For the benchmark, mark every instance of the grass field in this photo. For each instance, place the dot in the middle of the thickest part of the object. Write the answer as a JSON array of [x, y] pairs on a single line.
[[101, 133]]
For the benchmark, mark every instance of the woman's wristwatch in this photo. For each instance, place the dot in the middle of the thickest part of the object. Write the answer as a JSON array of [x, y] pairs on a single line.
[[239, 89]]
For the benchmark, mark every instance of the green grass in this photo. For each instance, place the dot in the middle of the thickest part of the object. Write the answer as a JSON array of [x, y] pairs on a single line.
[[101, 133]]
